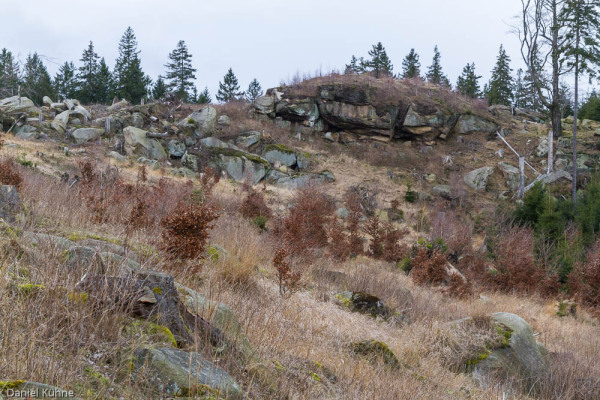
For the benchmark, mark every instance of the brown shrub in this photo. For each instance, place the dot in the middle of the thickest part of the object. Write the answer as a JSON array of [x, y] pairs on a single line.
[[9, 175], [385, 240], [584, 280], [306, 224], [288, 280], [186, 231], [428, 269], [254, 204], [339, 242]]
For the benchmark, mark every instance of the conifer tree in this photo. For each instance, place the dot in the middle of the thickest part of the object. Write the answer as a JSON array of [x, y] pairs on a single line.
[[411, 67], [36, 80], [204, 97], [379, 63], [160, 88], [65, 84], [130, 81], [87, 76], [254, 90], [180, 72], [9, 74], [356, 66], [229, 88], [104, 83], [500, 87], [468, 82], [434, 72], [521, 99]]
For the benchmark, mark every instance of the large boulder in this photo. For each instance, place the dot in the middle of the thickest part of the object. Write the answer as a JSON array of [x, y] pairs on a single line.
[[511, 175], [428, 122], [27, 132], [297, 180], [265, 104], [63, 118], [300, 110], [84, 135], [202, 122], [10, 203], [138, 143], [184, 374], [478, 179], [248, 139], [520, 357], [17, 104], [280, 153], [470, 123]]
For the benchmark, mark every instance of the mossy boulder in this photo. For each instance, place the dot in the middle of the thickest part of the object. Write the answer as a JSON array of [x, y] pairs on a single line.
[[202, 123], [362, 302], [180, 373], [376, 350], [240, 165], [280, 153], [520, 357]]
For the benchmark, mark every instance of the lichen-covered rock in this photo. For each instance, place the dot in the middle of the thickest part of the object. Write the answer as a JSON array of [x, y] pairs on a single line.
[[220, 315], [176, 148], [10, 203], [202, 122], [519, 358], [137, 143], [265, 104], [191, 162], [27, 132], [17, 104], [470, 123], [374, 350], [84, 135], [511, 174], [301, 110], [184, 374], [478, 179], [297, 180], [239, 165], [248, 139]]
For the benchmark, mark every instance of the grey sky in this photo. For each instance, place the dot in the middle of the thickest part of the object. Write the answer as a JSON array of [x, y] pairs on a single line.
[[267, 39]]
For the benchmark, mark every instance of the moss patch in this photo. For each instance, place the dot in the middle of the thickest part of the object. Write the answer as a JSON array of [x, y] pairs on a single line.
[[6, 385], [279, 147], [376, 349]]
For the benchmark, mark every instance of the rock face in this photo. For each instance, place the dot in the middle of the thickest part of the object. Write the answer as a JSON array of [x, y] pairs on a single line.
[[137, 143], [366, 111], [239, 165], [17, 104], [478, 178], [281, 154], [182, 374], [10, 203], [521, 358]]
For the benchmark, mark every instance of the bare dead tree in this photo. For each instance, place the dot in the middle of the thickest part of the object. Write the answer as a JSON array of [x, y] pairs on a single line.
[[542, 37]]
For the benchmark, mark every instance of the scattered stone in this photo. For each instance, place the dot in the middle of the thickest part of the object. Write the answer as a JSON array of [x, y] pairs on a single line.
[[478, 178], [362, 302], [224, 120]]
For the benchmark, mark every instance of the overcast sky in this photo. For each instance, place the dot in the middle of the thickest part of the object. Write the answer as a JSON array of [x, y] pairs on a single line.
[[267, 39]]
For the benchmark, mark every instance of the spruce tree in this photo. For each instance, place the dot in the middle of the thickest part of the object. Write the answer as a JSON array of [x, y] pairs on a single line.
[[229, 88], [9, 74], [521, 98], [65, 83], [204, 97], [36, 80], [500, 87], [581, 18], [254, 90], [180, 72], [87, 75], [434, 72], [130, 81], [411, 67], [355, 66], [590, 109], [104, 83], [194, 96], [380, 64], [468, 82], [160, 88]]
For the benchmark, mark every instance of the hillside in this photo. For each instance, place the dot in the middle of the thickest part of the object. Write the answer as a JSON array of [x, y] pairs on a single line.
[[341, 238]]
